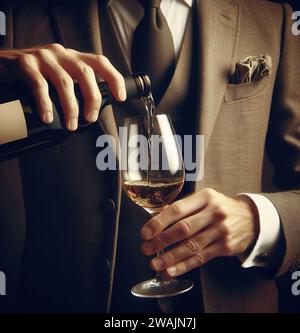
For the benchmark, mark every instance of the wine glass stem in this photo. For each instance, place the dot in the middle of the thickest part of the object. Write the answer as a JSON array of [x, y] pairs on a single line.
[[158, 276]]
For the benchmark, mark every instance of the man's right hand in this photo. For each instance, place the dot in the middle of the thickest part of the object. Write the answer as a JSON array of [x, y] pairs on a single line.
[[61, 67]]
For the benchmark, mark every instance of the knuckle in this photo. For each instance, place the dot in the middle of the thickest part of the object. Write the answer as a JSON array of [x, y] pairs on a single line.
[[65, 80], [192, 246], [182, 268], [39, 83], [41, 53], [200, 258], [56, 47], [209, 192], [44, 103], [168, 258], [102, 59], [156, 224], [220, 211], [158, 241], [183, 229], [84, 69], [176, 208], [71, 51], [25, 61], [96, 100], [214, 205]]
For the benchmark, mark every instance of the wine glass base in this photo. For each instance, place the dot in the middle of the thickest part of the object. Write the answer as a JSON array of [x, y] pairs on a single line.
[[159, 289]]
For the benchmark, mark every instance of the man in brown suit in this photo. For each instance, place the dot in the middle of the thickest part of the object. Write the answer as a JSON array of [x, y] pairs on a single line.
[[61, 219]]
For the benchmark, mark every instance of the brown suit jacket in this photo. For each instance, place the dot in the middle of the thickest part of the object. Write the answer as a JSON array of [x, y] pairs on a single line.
[[70, 211]]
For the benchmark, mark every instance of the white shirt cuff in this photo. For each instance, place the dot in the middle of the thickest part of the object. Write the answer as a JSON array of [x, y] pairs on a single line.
[[269, 235]]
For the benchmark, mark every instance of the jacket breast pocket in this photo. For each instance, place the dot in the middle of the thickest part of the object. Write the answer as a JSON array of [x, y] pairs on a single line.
[[245, 91]]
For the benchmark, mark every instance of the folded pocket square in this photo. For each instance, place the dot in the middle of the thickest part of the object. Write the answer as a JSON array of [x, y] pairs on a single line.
[[252, 69]]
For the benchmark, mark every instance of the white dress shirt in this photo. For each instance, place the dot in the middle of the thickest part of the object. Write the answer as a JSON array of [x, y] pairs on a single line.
[[125, 16]]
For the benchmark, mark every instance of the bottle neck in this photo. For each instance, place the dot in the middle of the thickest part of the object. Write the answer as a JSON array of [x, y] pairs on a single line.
[[137, 86]]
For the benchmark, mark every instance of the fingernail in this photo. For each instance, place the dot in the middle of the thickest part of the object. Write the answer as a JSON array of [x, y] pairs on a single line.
[[172, 271], [148, 247], [158, 264], [73, 124], [93, 116], [122, 94], [48, 117], [146, 233]]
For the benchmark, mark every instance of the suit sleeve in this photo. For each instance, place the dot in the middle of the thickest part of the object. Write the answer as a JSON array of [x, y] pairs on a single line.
[[283, 145]]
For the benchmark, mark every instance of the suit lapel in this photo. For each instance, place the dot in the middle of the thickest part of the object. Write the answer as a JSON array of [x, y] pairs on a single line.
[[218, 21], [109, 38], [78, 27]]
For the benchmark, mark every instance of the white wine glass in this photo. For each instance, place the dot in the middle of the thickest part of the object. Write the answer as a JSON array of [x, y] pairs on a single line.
[[153, 175]]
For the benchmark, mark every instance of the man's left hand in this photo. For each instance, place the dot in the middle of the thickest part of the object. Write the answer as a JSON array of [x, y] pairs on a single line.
[[200, 228]]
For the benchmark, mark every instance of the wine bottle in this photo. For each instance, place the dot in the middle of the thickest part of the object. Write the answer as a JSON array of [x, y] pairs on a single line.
[[21, 128]]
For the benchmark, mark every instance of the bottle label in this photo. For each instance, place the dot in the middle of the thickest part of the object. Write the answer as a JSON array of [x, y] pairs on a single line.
[[12, 122]]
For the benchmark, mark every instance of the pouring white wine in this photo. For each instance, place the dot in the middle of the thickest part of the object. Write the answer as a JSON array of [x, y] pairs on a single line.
[[154, 184]]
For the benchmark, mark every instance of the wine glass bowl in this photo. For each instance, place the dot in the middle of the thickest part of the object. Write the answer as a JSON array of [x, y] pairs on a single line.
[[153, 175]]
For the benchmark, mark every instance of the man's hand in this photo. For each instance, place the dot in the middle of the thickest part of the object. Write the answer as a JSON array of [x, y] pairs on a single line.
[[61, 66], [200, 228]]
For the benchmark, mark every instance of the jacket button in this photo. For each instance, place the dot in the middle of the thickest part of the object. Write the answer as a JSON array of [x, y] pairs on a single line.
[[108, 206]]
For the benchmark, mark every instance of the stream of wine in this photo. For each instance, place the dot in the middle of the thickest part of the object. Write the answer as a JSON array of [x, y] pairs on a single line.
[[150, 108]]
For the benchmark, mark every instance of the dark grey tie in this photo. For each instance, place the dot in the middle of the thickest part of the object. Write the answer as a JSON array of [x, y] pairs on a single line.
[[153, 48]]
